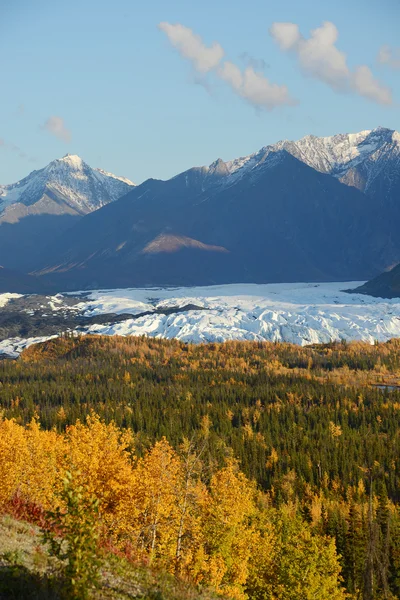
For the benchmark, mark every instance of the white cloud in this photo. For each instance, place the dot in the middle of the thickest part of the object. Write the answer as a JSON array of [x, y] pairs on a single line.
[[248, 84], [286, 34], [56, 126], [366, 85], [191, 46], [320, 58], [232, 75], [255, 87], [389, 56]]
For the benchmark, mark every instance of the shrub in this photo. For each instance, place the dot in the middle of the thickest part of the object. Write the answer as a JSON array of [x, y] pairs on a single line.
[[73, 536]]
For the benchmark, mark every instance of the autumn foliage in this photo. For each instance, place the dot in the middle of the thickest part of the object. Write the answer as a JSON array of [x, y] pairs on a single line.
[[257, 470], [213, 529]]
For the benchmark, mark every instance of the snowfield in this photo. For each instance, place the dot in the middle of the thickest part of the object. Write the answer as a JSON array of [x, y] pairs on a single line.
[[300, 313]]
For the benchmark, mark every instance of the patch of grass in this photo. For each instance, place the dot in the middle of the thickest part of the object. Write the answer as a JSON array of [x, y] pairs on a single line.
[[28, 572], [123, 580]]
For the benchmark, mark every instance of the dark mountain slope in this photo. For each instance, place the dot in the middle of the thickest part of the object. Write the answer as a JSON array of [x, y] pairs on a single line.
[[386, 285], [282, 221], [19, 283], [22, 243]]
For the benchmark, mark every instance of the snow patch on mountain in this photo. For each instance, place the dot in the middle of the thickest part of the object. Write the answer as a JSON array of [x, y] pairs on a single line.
[[10, 194]]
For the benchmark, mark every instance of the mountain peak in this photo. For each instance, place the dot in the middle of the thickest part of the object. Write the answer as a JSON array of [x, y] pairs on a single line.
[[70, 182], [218, 167], [72, 159], [68, 161], [381, 129]]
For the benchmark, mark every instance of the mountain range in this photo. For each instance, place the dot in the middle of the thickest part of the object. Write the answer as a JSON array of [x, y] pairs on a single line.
[[318, 209]]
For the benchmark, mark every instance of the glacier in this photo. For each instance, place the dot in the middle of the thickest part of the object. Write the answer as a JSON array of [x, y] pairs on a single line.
[[299, 313]]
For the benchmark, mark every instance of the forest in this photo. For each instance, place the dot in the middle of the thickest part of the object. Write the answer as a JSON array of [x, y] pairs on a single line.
[[255, 470]]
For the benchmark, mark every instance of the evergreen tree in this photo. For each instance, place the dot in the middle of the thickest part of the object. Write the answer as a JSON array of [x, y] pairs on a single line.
[[354, 553]]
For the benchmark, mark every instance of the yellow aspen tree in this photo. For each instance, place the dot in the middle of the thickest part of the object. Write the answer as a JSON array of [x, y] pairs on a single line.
[[158, 480], [100, 453], [13, 456], [38, 479], [229, 531], [190, 494]]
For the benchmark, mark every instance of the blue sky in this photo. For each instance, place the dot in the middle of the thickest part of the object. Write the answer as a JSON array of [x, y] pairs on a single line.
[[102, 80]]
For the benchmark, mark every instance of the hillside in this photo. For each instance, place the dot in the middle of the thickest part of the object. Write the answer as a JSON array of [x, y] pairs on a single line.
[[15, 282], [165, 387], [202, 457], [28, 572], [386, 285]]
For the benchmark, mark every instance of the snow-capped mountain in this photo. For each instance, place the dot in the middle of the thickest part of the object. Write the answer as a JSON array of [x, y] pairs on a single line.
[[356, 159], [66, 185], [39, 208]]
